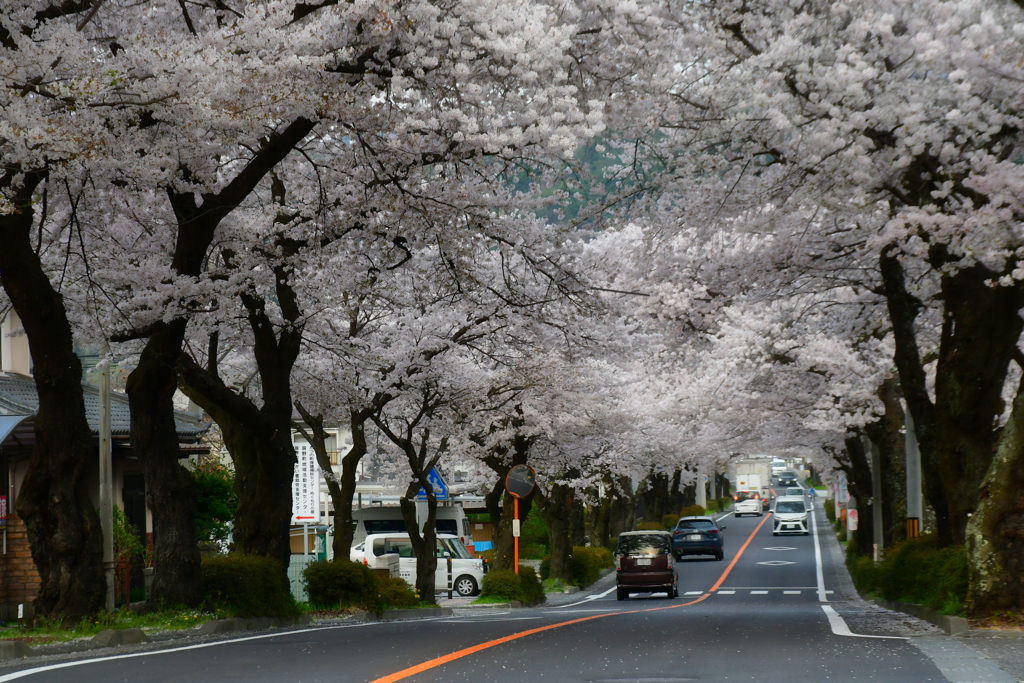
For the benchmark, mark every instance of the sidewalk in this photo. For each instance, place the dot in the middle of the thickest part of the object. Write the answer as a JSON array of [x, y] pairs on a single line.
[[978, 657]]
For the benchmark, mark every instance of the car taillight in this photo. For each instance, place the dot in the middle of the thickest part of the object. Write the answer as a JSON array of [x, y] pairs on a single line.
[[618, 562], [712, 531], [735, 497], [756, 496]]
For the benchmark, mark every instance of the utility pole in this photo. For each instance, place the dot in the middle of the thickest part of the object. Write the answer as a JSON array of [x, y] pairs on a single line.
[[106, 482], [876, 499], [702, 497], [915, 505]]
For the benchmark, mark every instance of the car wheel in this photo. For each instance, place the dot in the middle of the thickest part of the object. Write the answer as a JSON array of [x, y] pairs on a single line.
[[672, 593], [775, 533], [719, 556], [807, 533], [621, 594], [465, 586]]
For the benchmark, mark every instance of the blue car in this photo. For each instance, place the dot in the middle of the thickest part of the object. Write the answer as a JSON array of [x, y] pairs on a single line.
[[698, 536]]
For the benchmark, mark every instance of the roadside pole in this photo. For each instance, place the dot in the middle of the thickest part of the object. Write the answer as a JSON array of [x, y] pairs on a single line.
[[876, 500], [702, 493], [106, 482], [519, 483], [914, 502], [712, 485], [515, 535]]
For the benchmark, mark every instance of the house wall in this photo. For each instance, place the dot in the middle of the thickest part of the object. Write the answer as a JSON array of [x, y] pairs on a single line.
[[20, 580]]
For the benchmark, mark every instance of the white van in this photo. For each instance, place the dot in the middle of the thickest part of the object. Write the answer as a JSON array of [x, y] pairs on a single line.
[[451, 519], [467, 573]]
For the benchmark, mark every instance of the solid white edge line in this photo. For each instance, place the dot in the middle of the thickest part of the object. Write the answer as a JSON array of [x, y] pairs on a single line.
[[817, 559], [81, 662], [840, 628], [584, 601]]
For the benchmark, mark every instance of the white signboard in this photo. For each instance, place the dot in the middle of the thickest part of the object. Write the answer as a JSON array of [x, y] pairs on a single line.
[[305, 486]]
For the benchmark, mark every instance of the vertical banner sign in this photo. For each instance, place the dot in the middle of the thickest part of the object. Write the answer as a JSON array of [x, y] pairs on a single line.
[[305, 486], [3, 512]]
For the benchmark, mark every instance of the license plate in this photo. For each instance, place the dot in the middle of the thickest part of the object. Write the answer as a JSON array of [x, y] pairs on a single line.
[[790, 526], [643, 563], [693, 537]]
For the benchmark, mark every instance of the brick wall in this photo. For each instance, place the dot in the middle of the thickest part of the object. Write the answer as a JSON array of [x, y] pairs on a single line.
[[19, 580]]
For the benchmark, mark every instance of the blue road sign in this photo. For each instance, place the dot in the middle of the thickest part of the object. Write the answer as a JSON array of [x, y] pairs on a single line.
[[439, 485]]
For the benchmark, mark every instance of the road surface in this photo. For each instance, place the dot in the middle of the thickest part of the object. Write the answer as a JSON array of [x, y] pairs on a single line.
[[761, 614]]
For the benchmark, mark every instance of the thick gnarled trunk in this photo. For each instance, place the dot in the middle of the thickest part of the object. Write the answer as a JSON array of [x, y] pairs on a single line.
[[887, 436], [170, 489], [62, 525], [858, 479], [995, 533], [980, 331]]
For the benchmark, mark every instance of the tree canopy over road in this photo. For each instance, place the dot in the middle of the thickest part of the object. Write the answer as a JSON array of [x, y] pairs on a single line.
[[790, 219]]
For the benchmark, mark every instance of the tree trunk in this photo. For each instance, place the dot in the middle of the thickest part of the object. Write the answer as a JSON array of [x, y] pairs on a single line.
[[858, 480], [903, 310], [259, 442], [995, 533], [170, 489], [557, 512], [424, 540], [675, 495], [886, 434], [577, 522], [62, 525], [980, 330]]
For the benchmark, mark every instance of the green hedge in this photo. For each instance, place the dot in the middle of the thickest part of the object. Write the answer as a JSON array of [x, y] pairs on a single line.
[[392, 593], [830, 511], [247, 586], [339, 583], [916, 571], [587, 563], [533, 590], [505, 584]]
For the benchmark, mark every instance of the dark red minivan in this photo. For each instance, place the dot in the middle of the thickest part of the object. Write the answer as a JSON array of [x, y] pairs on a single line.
[[644, 564]]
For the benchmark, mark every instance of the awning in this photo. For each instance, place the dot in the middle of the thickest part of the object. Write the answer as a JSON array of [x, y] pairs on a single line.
[[8, 423]]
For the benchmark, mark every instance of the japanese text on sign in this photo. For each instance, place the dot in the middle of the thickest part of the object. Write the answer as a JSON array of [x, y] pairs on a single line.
[[305, 486]]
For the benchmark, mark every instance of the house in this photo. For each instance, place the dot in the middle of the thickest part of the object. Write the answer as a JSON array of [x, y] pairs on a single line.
[[19, 401]]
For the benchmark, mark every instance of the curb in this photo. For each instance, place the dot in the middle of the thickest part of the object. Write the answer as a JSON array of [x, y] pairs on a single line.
[[405, 614], [114, 638], [15, 649], [251, 624], [954, 626]]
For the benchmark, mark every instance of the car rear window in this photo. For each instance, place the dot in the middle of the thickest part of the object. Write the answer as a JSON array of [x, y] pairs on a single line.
[[643, 544], [790, 506], [695, 524], [794, 492]]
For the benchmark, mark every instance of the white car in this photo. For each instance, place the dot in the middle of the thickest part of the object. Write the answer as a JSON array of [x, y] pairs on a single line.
[[778, 465], [790, 516], [748, 506], [467, 572]]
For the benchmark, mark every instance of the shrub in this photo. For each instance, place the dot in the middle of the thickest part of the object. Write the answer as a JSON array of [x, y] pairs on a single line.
[[830, 512], [668, 522], [545, 567], [587, 563], [533, 590], [534, 531], [391, 593], [502, 584], [916, 571], [532, 551], [247, 586], [339, 583], [692, 511], [216, 501]]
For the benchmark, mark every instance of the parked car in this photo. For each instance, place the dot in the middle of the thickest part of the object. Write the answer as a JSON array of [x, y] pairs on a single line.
[[644, 564], [467, 572], [787, 478], [698, 536], [747, 504], [790, 516]]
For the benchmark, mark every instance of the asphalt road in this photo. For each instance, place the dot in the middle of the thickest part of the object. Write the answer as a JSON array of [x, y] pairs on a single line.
[[758, 617]]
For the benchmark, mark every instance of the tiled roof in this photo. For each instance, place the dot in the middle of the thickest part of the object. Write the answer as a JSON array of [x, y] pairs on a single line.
[[18, 396]]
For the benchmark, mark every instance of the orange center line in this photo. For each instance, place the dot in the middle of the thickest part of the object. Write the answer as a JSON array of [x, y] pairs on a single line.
[[473, 649]]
